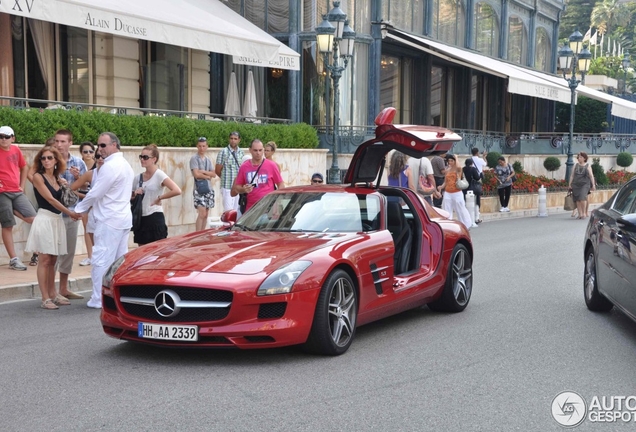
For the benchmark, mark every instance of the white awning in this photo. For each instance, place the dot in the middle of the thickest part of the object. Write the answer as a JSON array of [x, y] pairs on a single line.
[[206, 25], [620, 107], [519, 81]]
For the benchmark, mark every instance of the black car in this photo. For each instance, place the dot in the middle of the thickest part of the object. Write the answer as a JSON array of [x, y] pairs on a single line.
[[610, 254]]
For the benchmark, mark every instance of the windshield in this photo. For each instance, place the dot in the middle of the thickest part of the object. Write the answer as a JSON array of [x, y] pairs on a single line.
[[313, 212]]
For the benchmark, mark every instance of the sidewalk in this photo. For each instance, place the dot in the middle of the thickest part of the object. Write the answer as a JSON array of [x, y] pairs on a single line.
[[23, 285]]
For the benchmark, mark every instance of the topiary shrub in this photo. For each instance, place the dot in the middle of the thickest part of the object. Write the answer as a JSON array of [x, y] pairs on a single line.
[[624, 160], [517, 167], [599, 172], [491, 159], [551, 164]]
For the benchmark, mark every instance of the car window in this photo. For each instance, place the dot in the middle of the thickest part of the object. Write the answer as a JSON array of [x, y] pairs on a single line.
[[626, 199], [314, 212]]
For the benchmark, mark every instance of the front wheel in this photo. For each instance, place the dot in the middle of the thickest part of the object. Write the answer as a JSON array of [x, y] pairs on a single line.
[[459, 282], [334, 323], [594, 300]]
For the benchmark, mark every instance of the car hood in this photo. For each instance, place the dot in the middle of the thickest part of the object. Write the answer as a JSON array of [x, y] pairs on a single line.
[[232, 252]]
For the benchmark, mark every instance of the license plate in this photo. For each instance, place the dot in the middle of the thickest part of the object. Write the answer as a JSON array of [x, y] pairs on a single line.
[[168, 332]]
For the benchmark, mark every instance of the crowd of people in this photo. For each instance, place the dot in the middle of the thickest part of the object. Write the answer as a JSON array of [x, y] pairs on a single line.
[[436, 181], [105, 184]]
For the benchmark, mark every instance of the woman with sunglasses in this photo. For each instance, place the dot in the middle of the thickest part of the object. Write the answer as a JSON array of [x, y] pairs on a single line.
[[87, 150], [47, 236], [153, 181]]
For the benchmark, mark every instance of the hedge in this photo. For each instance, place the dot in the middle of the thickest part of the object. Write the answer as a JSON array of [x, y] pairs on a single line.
[[34, 126]]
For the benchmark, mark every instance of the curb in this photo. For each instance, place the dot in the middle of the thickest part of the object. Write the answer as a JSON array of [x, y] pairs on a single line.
[[28, 291]]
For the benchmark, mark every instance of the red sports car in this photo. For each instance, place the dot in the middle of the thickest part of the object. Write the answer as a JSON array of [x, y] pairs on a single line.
[[306, 265]]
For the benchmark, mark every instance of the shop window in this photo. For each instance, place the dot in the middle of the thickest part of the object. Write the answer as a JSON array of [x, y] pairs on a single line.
[[164, 76], [449, 21], [75, 61], [33, 59], [486, 30], [405, 14], [517, 41], [543, 51]]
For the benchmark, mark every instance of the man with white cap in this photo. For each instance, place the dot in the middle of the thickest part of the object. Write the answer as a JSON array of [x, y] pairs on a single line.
[[13, 176]]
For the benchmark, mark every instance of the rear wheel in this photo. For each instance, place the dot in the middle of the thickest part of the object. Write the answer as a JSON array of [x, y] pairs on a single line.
[[459, 282], [594, 300], [334, 323]]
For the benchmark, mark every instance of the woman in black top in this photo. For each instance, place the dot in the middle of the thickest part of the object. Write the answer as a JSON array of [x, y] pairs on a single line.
[[47, 236]]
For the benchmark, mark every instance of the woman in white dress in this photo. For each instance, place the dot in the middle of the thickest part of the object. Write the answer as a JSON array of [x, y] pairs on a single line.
[[47, 236]]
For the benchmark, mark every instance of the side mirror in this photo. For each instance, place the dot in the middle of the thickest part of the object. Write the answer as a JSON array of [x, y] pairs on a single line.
[[627, 222], [229, 216]]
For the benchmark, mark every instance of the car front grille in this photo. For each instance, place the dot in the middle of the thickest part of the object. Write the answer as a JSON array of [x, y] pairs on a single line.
[[190, 313], [272, 310]]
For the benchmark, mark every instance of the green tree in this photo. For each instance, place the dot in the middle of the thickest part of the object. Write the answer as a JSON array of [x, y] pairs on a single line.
[[551, 164], [608, 14], [576, 16]]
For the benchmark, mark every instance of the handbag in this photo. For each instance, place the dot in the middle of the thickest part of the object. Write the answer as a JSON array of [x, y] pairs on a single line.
[[514, 175], [568, 204], [477, 188], [69, 197], [461, 183], [136, 207]]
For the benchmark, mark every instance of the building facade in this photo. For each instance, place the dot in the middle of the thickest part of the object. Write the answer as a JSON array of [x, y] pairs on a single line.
[[475, 65]]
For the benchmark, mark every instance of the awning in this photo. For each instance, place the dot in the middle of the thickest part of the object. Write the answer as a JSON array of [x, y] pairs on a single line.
[[206, 25], [519, 81], [620, 107]]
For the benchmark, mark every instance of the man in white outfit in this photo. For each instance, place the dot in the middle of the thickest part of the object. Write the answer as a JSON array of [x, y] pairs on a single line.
[[110, 199]]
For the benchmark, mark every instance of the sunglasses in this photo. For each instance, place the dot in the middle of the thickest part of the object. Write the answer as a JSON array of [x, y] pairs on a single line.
[[88, 151], [202, 139], [47, 158], [316, 181], [5, 136], [144, 157], [98, 156], [102, 145]]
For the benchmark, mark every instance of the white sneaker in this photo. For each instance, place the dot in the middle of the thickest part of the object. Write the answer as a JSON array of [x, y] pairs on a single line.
[[16, 264], [502, 209], [506, 209], [94, 305], [85, 262]]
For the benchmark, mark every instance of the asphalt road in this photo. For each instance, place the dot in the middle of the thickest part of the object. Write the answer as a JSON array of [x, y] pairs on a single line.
[[525, 337]]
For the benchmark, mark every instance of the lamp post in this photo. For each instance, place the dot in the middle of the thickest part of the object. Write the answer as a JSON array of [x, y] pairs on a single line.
[[626, 64], [574, 58], [335, 40]]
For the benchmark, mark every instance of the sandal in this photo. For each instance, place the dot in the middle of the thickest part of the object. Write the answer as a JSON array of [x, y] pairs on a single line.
[[48, 304], [60, 300], [34, 260]]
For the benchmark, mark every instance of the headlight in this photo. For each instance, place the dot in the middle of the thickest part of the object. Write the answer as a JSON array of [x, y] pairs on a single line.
[[108, 276], [282, 280]]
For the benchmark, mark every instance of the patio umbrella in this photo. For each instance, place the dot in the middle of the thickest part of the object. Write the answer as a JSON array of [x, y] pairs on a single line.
[[249, 103], [232, 101]]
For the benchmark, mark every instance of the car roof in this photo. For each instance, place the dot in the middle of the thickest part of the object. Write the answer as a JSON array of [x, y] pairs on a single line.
[[413, 140]]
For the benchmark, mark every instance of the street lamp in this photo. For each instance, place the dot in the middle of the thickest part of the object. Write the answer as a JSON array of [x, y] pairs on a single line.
[[626, 64], [334, 36], [574, 58]]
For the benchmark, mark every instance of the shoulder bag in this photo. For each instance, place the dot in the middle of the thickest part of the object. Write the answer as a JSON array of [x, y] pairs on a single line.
[[423, 182], [202, 186], [136, 208], [461, 182], [512, 171], [69, 198]]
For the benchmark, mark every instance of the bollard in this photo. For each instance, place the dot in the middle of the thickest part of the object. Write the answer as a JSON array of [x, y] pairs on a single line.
[[470, 206], [543, 206]]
